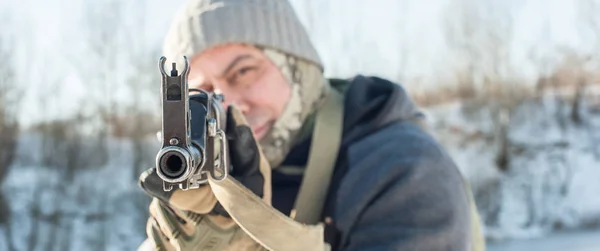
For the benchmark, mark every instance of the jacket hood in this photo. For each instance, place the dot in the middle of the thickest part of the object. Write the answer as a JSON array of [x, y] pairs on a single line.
[[372, 103]]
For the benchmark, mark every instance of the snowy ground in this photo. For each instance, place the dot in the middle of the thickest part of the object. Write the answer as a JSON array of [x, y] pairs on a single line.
[[551, 176], [576, 241], [550, 182], [102, 209]]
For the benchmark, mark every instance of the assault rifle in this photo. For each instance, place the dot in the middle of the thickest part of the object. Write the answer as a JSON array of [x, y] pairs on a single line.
[[193, 141]]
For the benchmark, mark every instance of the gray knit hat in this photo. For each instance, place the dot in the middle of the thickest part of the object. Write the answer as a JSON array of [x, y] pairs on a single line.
[[269, 23], [273, 27]]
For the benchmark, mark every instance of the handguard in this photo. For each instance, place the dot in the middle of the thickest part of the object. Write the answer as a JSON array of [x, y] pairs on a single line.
[[193, 141]]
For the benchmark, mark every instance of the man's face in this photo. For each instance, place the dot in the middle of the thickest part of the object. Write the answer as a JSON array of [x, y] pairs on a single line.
[[247, 78]]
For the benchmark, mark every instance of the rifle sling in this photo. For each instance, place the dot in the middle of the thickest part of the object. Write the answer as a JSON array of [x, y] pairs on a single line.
[[269, 227]]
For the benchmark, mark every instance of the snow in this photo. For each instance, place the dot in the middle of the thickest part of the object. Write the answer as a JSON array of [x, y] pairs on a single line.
[[549, 185], [575, 241], [101, 209], [552, 175]]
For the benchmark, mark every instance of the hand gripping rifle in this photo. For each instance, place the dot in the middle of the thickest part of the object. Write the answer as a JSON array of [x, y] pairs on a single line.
[[193, 140]]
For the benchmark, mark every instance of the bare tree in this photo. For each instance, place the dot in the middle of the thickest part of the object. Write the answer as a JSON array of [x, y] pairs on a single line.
[[53, 131], [143, 81], [481, 39], [588, 11], [35, 212], [462, 24], [9, 127], [101, 24], [8, 121], [541, 61], [404, 8]]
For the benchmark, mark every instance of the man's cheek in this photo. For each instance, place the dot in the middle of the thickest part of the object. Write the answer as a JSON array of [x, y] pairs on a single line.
[[281, 102]]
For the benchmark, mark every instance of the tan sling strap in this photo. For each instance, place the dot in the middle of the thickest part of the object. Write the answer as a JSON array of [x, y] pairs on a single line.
[[269, 227], [478, 240], [326, 140]]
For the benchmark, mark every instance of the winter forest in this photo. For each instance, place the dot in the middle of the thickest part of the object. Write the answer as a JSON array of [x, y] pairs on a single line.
[[511, 88]]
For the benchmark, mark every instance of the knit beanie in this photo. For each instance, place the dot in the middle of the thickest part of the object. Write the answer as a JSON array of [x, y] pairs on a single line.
[[202, 24], [273, 27]]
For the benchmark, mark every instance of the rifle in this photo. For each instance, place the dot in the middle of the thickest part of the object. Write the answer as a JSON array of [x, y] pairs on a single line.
[[193, 141]]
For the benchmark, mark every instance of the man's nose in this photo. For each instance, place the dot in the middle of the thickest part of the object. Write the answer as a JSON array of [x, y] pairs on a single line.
[[232, 98]]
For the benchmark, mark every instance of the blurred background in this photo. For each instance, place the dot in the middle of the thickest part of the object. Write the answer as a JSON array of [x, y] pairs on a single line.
[[511, 88]]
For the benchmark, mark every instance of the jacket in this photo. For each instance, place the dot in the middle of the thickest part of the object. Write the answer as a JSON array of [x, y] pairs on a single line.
[[394, 187]]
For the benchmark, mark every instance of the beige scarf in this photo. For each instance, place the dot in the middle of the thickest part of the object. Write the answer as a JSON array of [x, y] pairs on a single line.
[[309, 88]]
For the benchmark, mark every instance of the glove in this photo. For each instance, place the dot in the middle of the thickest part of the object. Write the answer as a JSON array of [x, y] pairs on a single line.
[[194, 219]]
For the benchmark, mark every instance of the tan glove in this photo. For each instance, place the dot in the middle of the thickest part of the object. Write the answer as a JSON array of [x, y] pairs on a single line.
[[194, 219]]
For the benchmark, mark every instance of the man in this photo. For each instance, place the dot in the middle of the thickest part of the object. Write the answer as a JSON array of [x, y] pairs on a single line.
[[349, 154]]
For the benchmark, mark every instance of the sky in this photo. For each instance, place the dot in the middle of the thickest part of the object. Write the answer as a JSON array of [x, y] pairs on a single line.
[[402, 40]]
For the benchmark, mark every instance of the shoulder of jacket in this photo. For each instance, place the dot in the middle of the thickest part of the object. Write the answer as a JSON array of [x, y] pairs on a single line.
[[399, 141]]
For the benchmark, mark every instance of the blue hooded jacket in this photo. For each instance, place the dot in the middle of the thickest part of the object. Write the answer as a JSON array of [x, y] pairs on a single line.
[[393, 187]]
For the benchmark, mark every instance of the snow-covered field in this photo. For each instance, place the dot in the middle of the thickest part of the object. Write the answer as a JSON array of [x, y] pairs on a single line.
[[548, 178], [572, 241], [549, 182], [551, 173], [101, 209]]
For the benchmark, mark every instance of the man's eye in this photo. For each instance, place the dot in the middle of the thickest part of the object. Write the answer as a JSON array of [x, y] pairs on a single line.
[[243, 76], [244, 70]]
